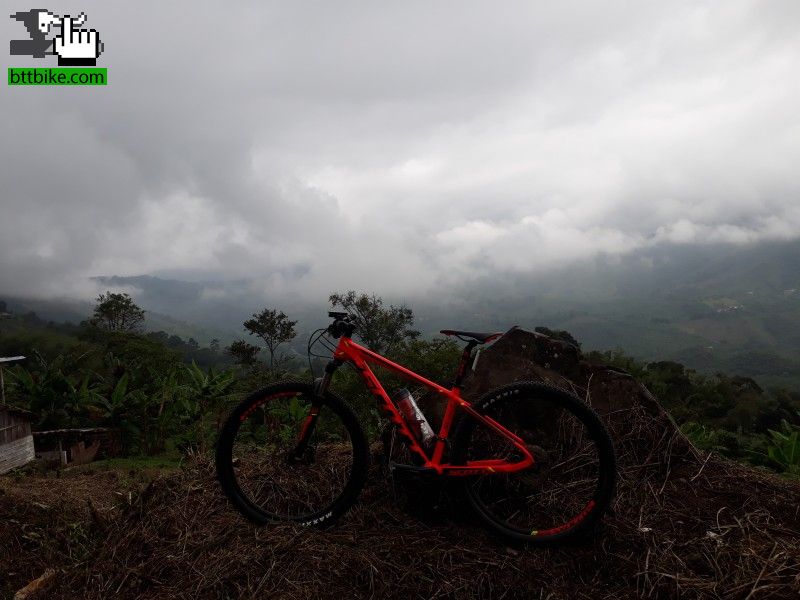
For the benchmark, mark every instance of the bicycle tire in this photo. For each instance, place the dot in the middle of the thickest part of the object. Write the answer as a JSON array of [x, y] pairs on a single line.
[[566, 411], [268, 446]]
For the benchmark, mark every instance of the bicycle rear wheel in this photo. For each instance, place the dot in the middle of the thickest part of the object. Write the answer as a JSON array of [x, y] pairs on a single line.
[[571, 483], [263, 473]]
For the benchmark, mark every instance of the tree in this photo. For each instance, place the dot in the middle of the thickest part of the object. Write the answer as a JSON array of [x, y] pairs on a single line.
[[158, 336], [31, 317], [274, 328], [214, 345], [382, 329], [117, 312], [243, 353]]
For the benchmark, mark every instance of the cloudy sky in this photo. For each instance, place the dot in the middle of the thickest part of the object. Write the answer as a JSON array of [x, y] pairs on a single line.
[[391, 146]]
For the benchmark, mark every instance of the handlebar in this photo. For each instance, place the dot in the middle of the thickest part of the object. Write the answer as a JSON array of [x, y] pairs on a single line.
[[341, 325]]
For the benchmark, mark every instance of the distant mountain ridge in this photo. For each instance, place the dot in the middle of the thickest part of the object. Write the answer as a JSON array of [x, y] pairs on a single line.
[[714, 307], [60, 310], [734, 309]]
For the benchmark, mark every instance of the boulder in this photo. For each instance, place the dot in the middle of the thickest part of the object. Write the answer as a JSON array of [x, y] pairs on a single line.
[[632, 414]]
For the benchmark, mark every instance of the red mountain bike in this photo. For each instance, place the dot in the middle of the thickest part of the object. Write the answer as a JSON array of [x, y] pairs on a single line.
[[534, 462]]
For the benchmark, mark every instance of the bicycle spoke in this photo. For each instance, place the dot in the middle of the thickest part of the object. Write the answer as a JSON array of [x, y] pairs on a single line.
[[563, 479], [272, 477]]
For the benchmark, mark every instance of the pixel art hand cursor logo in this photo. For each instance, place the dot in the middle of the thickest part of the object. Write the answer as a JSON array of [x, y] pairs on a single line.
[[74, 47]]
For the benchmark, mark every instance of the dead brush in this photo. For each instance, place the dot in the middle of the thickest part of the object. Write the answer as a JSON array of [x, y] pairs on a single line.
[[684, 524]]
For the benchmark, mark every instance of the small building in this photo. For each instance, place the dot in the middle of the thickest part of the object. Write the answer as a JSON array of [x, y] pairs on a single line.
[[74, 446], [16, 439]]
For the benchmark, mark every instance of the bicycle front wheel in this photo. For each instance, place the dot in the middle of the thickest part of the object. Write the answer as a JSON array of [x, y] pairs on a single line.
[[571, 482], [285, 455]]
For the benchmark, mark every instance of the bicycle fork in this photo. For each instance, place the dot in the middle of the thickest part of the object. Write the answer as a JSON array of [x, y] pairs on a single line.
[[321, 386]]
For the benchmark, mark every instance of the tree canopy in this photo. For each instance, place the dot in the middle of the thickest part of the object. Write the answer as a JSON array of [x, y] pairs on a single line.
[[117, 312], [383, 329], [274, 328], [243, 353]]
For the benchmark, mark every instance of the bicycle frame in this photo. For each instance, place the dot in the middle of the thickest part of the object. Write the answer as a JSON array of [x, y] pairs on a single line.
[[349, 351]]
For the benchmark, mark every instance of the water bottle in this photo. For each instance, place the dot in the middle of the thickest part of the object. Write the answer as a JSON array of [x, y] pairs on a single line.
[[413, 416]]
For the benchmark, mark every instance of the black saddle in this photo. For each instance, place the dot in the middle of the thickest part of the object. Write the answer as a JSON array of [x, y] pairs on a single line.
[[481, 338]]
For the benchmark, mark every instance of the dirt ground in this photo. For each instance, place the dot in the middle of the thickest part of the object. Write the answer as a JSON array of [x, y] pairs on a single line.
[[709, 530], [684, 524]]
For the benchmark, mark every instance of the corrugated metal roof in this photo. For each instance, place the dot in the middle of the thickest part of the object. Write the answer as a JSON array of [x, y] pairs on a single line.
[[68, 431], [9, 359]]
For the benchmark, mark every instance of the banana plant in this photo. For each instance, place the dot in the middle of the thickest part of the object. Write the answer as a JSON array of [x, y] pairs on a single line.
[[784, 448], [205, 394], [122, 408], [169, 397], [288, 417], [58, 399], [114, 404]]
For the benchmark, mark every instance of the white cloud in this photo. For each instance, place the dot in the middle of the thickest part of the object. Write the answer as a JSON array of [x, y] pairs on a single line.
[[394, 146]]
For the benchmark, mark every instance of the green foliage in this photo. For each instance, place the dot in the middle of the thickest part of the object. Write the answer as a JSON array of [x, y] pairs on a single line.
[[55, 391], [126, 382], [170, 416], [274, 328], [19, 339], [121, 409], [190, 351], [387, 330], [619, 359], [138, 465], [382, 329], [721, 401], [243, 353], [204, 403], [706, 438], [117, 312], [133, 350], [784, 448], [731, 415], [141, 386], [435, 359], [348, 384], [207, 387], [289, 416]]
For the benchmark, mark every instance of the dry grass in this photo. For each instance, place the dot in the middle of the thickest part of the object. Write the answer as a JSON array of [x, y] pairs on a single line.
[[684, 524]]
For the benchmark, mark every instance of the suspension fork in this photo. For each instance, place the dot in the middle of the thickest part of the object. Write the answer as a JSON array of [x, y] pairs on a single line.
[[321, 386]]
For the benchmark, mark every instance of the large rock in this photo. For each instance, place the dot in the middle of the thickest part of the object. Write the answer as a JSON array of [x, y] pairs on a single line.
[[635, 418]]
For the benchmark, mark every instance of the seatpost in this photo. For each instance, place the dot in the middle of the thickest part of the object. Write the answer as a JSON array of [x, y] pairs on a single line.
[[462, 367]]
